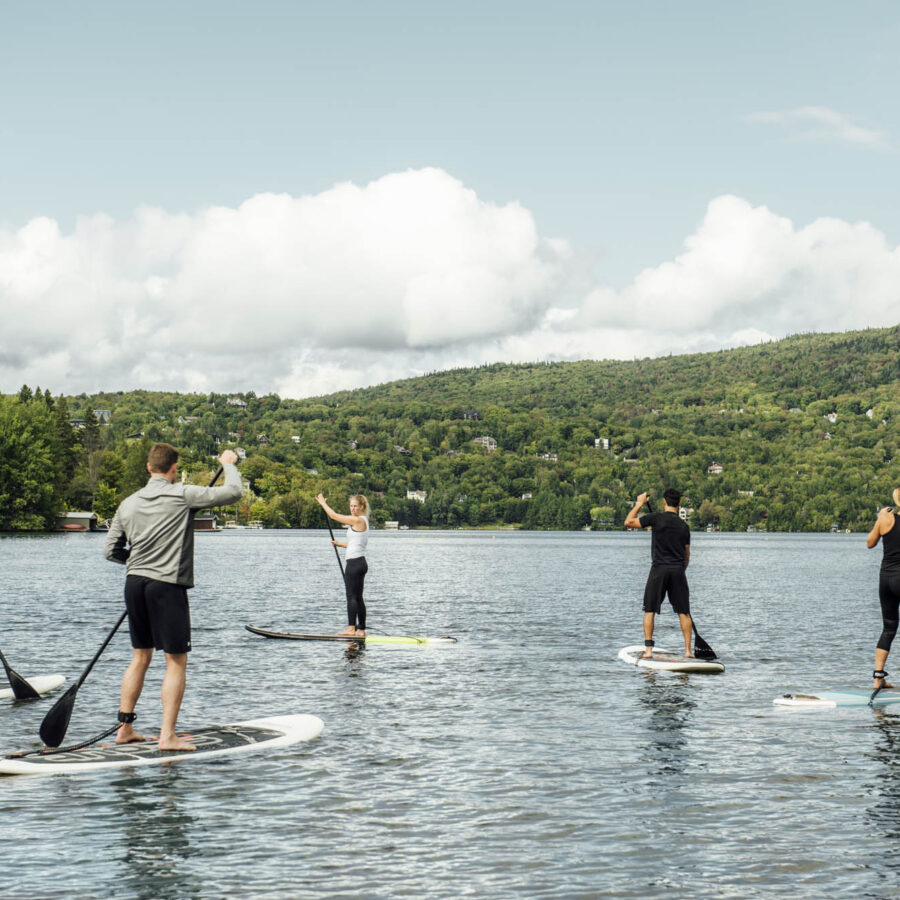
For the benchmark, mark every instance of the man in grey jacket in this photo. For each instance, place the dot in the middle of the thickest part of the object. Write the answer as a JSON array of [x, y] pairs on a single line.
[[152, 533]]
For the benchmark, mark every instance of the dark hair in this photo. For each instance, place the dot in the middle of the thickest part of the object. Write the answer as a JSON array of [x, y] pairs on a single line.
[[672, 496], [162, 457]]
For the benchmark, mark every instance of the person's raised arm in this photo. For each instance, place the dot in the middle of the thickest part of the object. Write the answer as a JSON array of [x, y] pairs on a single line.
[[882, 525], [206, 497], [631, 520], [353, 521]]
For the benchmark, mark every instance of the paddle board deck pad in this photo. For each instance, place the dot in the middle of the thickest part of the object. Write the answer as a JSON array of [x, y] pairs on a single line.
[[216, 740], [667, 661], [834, 699], [368, 639], [43, 684]]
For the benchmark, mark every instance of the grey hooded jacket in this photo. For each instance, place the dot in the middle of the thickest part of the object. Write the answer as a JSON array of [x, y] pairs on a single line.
[[157, 524]]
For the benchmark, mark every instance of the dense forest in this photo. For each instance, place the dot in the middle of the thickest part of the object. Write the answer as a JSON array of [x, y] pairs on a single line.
[[794, 435]]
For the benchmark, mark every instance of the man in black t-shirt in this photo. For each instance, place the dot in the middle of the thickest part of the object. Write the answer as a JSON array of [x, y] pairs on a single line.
[[670, 552]]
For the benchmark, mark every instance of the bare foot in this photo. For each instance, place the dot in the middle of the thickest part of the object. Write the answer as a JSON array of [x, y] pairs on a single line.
[[360, 632], [349, 631], [175, 743], [688, 654], [881, 683], [127, 735], [647, 654]]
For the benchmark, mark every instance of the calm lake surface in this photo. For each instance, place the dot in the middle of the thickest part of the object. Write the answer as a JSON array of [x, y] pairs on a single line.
[[524, 761]]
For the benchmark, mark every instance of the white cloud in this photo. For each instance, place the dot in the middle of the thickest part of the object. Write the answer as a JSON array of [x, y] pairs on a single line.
[[748, 268], [411, 261], [410, 274], [819, 123]]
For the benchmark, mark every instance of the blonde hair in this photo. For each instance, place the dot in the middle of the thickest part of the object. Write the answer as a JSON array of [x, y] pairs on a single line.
[[896, 496], [364, 504]]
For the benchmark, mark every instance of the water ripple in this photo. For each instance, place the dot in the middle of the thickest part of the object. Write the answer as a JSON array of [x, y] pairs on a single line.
[[524, 761]]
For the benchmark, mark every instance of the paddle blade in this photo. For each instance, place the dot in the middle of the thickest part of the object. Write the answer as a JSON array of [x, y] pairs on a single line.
[[702, 650], [21, 689], [56, 723]]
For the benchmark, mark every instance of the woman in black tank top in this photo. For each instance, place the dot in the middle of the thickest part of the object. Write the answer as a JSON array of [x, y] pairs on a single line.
[[887, 530]]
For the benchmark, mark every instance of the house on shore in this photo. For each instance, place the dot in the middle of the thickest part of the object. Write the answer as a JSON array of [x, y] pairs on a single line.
[[76, 521], [206, 522]]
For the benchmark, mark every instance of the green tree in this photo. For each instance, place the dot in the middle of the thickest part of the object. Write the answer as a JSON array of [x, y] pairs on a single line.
[[28, 497], [134, 469], [106, 501]]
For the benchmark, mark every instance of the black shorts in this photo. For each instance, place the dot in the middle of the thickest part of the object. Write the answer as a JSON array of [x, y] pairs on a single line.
[[158, 615], [670, 580]]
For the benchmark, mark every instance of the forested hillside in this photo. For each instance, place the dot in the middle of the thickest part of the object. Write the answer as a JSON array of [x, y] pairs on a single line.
[[805, 432]]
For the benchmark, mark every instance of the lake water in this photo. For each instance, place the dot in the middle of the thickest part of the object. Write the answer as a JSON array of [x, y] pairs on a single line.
[[524, 761]]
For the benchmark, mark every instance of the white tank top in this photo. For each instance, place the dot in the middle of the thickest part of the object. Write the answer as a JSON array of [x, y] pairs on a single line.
[[357, 540]]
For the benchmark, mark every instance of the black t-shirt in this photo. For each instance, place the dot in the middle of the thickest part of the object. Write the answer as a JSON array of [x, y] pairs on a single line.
[[670, 536]]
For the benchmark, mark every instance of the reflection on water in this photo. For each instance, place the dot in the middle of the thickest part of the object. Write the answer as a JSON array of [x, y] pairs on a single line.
[[884, 814], [666, 700], [354, 651], [156, 840]]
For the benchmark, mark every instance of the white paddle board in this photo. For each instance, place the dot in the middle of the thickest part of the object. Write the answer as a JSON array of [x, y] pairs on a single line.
[[216, 740], [43, 684], [667, 661], [368, 639], [834, 699]]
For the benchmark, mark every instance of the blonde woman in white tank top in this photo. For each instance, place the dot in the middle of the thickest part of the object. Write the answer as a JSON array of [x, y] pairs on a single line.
[[355, 567]]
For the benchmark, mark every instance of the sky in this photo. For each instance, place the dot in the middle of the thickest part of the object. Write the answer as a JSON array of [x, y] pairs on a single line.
[[303, 197]]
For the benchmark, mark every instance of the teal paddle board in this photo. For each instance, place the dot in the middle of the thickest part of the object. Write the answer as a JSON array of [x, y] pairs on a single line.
[[834, 699]]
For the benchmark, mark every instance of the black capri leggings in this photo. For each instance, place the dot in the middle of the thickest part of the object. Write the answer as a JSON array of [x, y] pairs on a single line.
[[889, 595], [354, 576]]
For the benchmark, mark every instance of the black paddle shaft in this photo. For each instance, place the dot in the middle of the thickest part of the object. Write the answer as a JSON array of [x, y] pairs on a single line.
[[21, 689], [56, 722], [702, 650], [336, 553]]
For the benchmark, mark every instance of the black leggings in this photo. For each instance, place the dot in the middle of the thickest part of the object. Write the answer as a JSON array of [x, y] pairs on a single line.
[[354, 576], [889, 595]]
